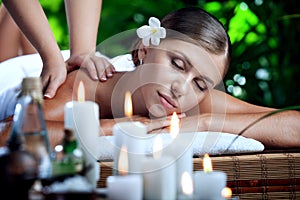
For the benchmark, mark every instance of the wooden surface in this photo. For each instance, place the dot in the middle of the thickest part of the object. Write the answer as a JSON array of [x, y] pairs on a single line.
[[267, 175]]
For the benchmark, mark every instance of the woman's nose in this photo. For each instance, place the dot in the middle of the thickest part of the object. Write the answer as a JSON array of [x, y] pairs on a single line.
[[180, 86]]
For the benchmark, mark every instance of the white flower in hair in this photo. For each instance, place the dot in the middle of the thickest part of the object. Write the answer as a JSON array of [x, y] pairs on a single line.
[[152, 32]]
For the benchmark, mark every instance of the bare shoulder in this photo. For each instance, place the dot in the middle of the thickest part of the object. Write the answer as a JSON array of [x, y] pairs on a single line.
[[218, 101]]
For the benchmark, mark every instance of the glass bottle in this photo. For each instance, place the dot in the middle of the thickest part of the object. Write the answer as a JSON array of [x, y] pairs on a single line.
[[29, 127]]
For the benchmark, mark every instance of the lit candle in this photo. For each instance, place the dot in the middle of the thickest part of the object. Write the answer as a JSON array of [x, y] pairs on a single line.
[[127, 187], [174, 128], [131, 134], [208, 183], [128, 109], [186, 187], [159, 174], [83, 117], [226, 193], [181, 150]]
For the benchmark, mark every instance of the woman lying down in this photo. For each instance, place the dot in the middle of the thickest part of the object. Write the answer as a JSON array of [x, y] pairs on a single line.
[[178, 66]]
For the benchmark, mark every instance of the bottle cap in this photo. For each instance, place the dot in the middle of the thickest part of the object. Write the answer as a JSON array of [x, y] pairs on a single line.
[[69, 134], [32, 83]]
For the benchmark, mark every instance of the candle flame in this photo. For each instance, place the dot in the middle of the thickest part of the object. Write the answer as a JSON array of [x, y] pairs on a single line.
[[123, 161], [128, 105], [81, 92], [207, 164], [157, 147], [174, 128], [226, 192], [187, 183]]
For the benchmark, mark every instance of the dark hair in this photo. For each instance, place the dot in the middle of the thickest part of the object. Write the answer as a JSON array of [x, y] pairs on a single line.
[[200, 26]]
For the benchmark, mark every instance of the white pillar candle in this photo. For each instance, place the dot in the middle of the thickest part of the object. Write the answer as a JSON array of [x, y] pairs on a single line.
[[208, 183], [129, 187], [83, 118], [159, 177], [133, 136], [181, 150]]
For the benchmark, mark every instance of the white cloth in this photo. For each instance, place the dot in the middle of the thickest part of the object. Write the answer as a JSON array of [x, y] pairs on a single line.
[[213, 143], [13, 71]]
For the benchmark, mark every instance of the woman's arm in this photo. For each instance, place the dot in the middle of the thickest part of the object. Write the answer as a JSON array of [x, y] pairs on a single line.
[[279, 130], [13, 42], [83, 21], [31, 19], [222, 112]]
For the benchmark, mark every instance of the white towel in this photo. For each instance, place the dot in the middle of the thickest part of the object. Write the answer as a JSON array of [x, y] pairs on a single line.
[[213, 143]]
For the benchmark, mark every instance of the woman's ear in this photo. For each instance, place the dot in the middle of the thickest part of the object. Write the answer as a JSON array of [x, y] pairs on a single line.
[[142, 52]]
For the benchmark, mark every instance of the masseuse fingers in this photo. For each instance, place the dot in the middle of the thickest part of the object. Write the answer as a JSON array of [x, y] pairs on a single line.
[[51, 86], [52, 77], [103, 67], [89, 65], [109, 70]]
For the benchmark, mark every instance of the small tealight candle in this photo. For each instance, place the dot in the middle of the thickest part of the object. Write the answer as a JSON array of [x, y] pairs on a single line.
[[208, 183], [159, 174], [83, 117], [127, 187]]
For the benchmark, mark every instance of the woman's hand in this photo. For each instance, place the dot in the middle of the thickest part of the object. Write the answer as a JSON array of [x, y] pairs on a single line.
[[195, 123], [153, 125], [53, 76], [159, 125], [99, 68]]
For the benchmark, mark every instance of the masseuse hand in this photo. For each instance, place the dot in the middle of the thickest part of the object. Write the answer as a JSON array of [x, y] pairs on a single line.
[[99, 68], [53, 75]]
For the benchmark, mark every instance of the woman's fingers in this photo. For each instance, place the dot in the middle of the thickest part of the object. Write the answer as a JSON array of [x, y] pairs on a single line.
[[162, 123]]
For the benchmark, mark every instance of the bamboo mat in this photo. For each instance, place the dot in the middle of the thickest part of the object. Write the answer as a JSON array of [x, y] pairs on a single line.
[[251, 176]]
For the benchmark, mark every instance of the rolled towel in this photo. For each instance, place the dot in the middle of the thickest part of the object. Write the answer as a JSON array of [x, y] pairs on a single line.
[[213, 143]]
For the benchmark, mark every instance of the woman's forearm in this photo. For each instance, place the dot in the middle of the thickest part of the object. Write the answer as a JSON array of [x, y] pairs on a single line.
[[31, 19], [83, 21], [279, 130]]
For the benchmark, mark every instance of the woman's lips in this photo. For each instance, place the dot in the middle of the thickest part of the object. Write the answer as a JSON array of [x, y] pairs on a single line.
[[166, 101]]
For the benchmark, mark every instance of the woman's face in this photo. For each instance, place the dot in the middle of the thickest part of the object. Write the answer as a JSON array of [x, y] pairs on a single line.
[[177, 75]]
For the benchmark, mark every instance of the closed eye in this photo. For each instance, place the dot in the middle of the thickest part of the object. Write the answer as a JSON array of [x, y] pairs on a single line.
[[178, 63], [201, 84]]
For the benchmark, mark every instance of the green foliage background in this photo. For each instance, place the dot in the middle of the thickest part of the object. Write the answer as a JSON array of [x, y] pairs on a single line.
[[265, 34]]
